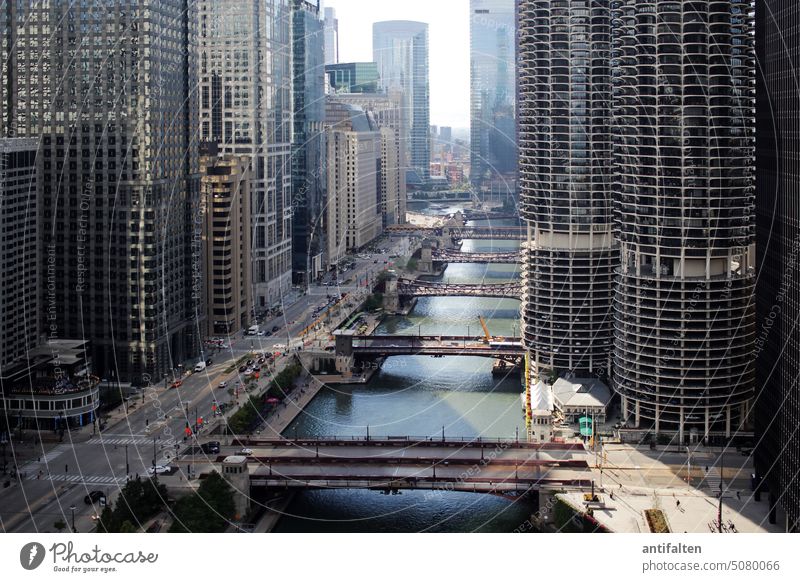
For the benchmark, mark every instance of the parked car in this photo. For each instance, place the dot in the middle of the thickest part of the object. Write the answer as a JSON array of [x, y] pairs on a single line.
[[246, 452], [275, 328], [242, 369]]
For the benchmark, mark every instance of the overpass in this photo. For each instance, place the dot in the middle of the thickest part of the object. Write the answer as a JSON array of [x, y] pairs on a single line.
[[417, 288], [402, 462], [450, 256], [502, 348], [461, 232]]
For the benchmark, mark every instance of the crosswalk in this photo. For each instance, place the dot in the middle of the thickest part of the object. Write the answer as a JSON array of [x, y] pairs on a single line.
[[713, 479], [83, 479], [47, 458], [112, 440]]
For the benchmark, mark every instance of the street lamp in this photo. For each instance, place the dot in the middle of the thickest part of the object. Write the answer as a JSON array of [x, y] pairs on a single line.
[[127, 464], [73, 508]]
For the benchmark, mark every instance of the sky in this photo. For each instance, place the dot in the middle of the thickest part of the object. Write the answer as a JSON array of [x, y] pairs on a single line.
[[449, 46]]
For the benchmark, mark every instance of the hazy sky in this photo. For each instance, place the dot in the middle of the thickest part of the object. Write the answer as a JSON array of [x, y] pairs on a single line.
[[449, 46]]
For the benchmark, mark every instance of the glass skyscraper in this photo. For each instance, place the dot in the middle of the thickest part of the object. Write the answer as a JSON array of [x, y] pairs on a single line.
[[493, 93], [400, 47]]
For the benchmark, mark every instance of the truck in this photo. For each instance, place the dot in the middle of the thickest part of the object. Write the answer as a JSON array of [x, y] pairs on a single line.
[[253, 330], [200, 366]]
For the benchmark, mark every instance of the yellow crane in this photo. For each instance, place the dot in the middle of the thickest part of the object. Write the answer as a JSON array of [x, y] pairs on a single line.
[[488, 336]]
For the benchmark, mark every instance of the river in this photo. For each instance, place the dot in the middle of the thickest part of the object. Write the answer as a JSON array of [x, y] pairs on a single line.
[[423, 396]]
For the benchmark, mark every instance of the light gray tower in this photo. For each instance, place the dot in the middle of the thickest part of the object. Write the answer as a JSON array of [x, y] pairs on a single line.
[[331, 36], [246, 108], [108, 90], [565, 164], [493, 94], [400, 47], [684, 208]]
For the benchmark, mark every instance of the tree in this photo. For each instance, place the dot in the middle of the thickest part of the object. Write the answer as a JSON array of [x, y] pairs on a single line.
[[138, 501], [209, 510], [60, 525]]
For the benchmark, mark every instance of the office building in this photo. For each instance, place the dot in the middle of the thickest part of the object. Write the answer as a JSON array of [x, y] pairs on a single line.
[[400, 48], [354, 178], [493, 93], [331, 36], [353, 77], [119, 175], [777, 404], [245, 88], [565, 196], [308, 148], [225, 205], [684, 193]]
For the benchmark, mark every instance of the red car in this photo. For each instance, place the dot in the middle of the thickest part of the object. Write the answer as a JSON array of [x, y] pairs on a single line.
[[177, 384]]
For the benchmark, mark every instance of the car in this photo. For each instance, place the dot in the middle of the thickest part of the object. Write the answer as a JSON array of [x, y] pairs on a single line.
[[261, 360], [93, 497], [158, 470], [222, 385], [246, 452], [256, 368], [210, 447], [267, 333], [278, 347], [261, 333], [275, 328], [250, 363], [248, 372], [177, 384], [224, 346], [209, 361], [242, 369]]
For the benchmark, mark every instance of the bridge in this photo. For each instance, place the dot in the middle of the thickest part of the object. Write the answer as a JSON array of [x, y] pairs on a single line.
[[418, 288], [402, 462], [501, 348], [461, 232], [450, 256]]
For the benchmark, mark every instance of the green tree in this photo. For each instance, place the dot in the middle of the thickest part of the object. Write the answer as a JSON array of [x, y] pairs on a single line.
[[209, 510], [138, 501], [60, 525]]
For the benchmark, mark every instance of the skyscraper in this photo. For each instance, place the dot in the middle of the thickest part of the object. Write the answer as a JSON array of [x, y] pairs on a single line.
[[119, 172], [565, 197], [400, 48], [493, 93], [331, 37], [683, 192], [308, 180], [353, 77], [777, 405], [246, 108]]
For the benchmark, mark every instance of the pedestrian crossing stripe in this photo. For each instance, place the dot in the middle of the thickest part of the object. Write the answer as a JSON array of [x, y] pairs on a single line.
[[130, 441], [87, 479]]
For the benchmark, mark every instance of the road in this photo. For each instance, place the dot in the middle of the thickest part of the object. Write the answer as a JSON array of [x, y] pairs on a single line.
[[152, 425]]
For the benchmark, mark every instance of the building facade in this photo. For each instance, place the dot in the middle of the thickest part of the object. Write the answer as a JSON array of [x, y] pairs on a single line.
[[119, 173], [684, 194], [777, 404], [565, 193], [493, 93], [225, 205], [308, 147], [353, 77], [400, 48], [331, 36], [19, 250], [245, 88], [354, 180]]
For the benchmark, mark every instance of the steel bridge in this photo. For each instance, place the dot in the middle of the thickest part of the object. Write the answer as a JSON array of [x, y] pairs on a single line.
[[462, 232], [449, 256], [417, 288], [401, 462], [508, 349]]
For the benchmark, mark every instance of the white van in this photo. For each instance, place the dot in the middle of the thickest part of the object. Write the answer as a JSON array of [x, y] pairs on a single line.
[[253, 330], [200, 367]]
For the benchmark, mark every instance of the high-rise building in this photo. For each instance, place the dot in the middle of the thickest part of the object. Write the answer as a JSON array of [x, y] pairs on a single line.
[[108, 89], [387, 111], [400, 48], [684, 194], [245, 83], [354, 180], [777, 405], [353, 77], [331, 36], [308, 149], [565, 195], [493, 93], [225, 206], [19, 263]]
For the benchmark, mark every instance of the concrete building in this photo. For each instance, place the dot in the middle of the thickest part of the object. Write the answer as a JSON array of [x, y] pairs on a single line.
[[353, 77], [565, 197], [19, 246], [577, 397], [400, 48], [225, 203], [493, 93], [777, 405], [116, 120], [245, 88], [331, 36], [387, 111], [354, 178], [308, 147], [684, 206]]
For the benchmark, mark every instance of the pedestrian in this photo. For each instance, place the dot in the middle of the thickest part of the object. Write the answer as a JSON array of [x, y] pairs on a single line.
[[739, 495], [678, 503], [66, 468]]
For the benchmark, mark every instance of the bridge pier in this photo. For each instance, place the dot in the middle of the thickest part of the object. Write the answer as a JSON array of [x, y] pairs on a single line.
[[344, 352], [425, 263], [391, 297]]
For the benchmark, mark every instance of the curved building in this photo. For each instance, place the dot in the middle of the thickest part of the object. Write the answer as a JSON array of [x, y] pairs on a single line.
[[684, 194], [565, 162]]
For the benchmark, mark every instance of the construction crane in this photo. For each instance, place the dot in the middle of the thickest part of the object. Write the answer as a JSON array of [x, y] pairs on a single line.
[[488, 336]]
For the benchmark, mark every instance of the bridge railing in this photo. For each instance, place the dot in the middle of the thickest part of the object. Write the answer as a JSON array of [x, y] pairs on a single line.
[[429, 440]]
